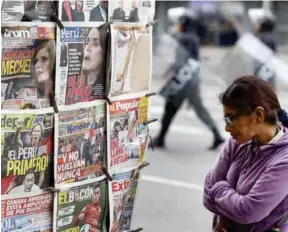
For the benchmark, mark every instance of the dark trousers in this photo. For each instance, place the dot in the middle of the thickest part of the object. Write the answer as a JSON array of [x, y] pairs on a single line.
[[191, 92]]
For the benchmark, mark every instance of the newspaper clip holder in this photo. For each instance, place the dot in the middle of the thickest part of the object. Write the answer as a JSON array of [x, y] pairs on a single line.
[[52, 189], [54, 104], [104, 170], [136, 230], [143, 165], [106, 98], [150, 121], [152, 23], [56, 20], [150, 94]]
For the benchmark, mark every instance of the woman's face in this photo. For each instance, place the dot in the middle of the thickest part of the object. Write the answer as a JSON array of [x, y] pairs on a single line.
[[242, 127], [93, 53], [42, 65], [79, 5]]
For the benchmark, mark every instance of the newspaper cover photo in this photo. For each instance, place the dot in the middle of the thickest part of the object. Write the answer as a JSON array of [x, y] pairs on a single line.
[[27, 213], [80, 142], [81, 64], [132, 11], [82, 208], [83, 10], [128, 134], [122, 191], [28, 60], [26, 151], [131, 54], [28, 10]]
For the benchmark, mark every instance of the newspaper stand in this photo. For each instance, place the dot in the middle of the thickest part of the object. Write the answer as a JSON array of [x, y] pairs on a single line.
[[84, 152]]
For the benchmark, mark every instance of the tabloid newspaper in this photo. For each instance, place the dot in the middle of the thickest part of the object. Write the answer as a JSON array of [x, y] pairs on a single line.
[[81, 68], [122, 191], [131, 54], [83, 11], [32, 212], [127, 134], [133, 11], [27, 151], [28, 60], [80, 142], [28, 10], [82, 208]]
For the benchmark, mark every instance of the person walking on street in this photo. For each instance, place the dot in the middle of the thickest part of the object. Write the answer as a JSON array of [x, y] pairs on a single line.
[[187, 69], [247, 189]]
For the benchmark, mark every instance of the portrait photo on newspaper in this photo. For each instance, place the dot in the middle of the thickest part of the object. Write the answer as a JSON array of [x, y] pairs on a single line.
[[30, 212], [81, 64], [27, 151], [131, 63], [28, 61], [80, 145], [83, 10], [132, 11], [122, 192], [82, 208], [128, 135]]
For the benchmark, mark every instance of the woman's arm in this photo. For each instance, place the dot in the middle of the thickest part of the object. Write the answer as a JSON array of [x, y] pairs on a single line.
[[218, 173], [270, 189]]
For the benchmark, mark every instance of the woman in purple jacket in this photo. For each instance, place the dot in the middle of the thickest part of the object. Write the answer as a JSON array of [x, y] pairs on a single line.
[[247, 189]]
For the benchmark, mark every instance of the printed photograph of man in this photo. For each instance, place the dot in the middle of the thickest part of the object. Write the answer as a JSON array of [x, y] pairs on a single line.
[[133, 17], [93, 65], [119, 13], [28, 184], [99, 12], [91, 213], [63, 55]]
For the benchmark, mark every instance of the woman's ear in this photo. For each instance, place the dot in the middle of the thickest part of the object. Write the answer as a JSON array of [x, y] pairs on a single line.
[[260, 115]]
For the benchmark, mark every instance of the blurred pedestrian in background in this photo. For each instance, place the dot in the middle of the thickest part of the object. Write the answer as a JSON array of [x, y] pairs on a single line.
[[247, 188], [186, 71]]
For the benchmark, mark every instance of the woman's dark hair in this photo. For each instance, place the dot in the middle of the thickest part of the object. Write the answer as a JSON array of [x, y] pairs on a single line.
[[267, 25], [248, 92]]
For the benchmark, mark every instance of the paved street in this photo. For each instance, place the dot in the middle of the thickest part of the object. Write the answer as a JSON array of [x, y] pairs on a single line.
[[169, 197]]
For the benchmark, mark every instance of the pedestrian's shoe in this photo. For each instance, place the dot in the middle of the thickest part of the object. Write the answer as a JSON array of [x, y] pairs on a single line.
[[157, 142], [217, 142]]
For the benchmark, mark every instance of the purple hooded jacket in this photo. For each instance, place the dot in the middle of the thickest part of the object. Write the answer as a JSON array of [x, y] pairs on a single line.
[[249, 185]]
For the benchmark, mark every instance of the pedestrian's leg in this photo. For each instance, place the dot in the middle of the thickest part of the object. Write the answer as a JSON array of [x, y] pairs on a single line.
[[196, 101], [170, 111]]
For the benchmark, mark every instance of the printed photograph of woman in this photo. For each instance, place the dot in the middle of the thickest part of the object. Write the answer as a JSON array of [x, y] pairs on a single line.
[[93, 65]]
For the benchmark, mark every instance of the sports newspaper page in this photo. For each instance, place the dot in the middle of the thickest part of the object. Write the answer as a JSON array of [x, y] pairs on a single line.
[[83, 11], [122, 191], [82, 208], [80, 147], [26, 151], [28, 59], [128, 134], [32, 212], [81, 63], [131, 54]]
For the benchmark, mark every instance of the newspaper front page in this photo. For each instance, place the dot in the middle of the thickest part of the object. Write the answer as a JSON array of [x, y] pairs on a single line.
[[131, 55], [82, 208], [127, 133], [32, 212], [28, 60], [80, 142], [122, 192], [27, 151], [133, 11], [81, 63], [83, 11]]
